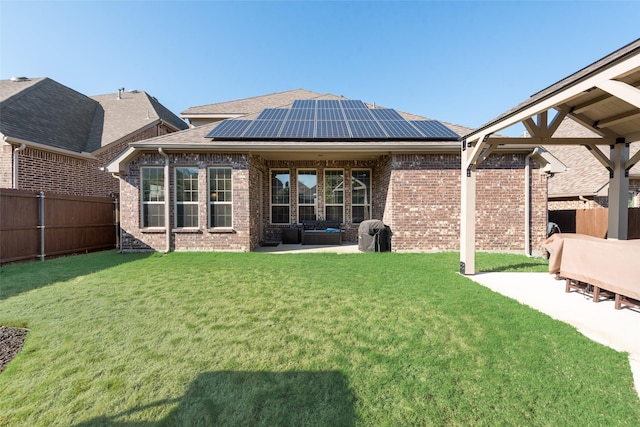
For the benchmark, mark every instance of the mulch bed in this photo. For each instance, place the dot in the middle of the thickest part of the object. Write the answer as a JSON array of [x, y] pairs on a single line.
[[11, 340]]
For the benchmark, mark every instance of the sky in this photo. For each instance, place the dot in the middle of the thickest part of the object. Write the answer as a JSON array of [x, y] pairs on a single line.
[[462, 62]]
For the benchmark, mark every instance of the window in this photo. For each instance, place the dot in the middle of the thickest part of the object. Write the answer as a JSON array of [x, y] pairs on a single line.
[[186, 197], [280, 200], [360, 195], [152, 184], [334, 195], [220, 198], [307, 195]]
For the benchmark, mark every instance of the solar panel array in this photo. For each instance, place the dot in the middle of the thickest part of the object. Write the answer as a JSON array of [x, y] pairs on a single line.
[[336, 119]]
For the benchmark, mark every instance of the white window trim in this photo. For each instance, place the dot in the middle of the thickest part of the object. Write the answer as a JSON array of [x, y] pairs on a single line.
[[369, 205], [143, 203], [298, 204], [271, 204], [210, 203], [343, 192], [175, 197]]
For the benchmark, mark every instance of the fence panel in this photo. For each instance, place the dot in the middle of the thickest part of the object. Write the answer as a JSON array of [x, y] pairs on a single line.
[[592, 222], [78, 224], [72, 224], [19, 236]]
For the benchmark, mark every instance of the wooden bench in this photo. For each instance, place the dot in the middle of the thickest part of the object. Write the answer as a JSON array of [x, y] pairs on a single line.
[[321, 233]]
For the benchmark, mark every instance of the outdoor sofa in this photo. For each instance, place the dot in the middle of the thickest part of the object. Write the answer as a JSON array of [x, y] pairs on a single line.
[[321, 233], [609, 266]]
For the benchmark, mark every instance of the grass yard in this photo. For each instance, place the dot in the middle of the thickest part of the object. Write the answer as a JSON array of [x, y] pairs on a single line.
[[239, 339]]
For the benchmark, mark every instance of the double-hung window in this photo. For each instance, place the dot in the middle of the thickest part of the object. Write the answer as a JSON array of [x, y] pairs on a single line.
[[280, 196], [186, 179], [220, 198], [307, 195], [334, 195], [360, 195], [152, 184]]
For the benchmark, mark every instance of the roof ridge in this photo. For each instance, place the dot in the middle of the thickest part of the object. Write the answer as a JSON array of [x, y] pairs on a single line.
[[254, 97], [9, 100]]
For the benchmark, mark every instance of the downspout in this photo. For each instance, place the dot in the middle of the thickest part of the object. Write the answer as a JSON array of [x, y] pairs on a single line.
[[527, 203], [166, 200], [15, 164]]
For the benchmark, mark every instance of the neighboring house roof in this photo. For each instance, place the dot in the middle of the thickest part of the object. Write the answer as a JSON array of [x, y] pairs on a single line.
[[126, 113], [45, 112], [585, 175]]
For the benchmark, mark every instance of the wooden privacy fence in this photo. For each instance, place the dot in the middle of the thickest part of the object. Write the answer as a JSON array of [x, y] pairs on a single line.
[[37, 225], [593, 222]]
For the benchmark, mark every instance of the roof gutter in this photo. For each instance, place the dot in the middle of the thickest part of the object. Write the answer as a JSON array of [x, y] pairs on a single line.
[[15, 164], [167, 222], [29, 144]]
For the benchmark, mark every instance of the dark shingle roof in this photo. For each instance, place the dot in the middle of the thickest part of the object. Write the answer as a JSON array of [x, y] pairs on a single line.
[[119, 117], [47, 112]]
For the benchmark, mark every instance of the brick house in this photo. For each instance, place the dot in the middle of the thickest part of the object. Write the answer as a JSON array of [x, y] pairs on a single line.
[[56, 139], [585, 184], [192, 190]]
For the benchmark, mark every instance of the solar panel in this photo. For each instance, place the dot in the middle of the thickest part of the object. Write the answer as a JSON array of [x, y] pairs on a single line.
[[264, 129], [229, 129], [298, 129], [332, 129], [365, 129], [304, 103], [328, 103], [273, 114], [330, 114], [434, 129], [331, 119], [352, 103], [385, 114], [357, 114], [400, 129], [302, 114]]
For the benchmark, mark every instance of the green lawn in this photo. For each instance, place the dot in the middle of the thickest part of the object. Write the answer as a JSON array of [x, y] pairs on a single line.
[[373, 339]]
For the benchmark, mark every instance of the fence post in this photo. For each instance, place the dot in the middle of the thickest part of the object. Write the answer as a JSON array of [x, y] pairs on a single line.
[[41, 225]]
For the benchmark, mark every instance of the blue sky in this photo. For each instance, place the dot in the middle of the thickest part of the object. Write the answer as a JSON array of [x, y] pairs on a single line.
[[463, 62]]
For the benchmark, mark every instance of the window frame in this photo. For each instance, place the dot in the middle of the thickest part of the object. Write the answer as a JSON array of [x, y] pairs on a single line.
[[189, 203], [365, 205], [211, 204], [271, 195], [315, 201], [324, 192], [144, 220]]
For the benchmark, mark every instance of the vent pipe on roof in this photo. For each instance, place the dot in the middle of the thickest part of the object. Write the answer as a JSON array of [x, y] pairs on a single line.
[[120, 92]]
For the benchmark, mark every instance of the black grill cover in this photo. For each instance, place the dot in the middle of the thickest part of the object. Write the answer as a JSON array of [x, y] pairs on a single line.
[[374, 236]]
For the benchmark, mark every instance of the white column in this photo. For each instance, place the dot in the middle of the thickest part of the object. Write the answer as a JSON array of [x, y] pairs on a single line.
[[619, 192], [467, 215]]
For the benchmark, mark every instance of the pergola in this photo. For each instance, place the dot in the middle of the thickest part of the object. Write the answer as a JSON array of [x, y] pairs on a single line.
[[604, 97]]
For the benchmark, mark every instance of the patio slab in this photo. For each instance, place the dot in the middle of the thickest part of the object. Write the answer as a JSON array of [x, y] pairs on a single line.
[[599, 322]]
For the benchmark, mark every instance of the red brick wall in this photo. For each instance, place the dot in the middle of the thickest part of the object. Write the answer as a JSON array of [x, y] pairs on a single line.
[[134, 238], [418, 196], [41, 170], [425, 210]]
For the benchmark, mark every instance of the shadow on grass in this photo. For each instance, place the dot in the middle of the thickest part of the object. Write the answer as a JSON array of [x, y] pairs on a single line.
[[232, 398], [522, 267], [26, 276]]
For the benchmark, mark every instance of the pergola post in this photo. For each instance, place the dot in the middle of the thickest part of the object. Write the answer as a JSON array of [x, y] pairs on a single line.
[[467, 213], [618, 191]]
